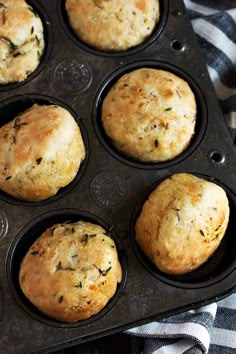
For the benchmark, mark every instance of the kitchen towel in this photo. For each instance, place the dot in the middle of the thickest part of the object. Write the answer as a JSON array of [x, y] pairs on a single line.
[[209, 329]]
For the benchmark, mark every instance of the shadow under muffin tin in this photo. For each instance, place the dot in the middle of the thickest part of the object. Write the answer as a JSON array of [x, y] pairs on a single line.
[[111, 188]]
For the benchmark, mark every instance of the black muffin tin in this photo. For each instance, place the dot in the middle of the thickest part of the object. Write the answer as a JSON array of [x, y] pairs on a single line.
[[111, 188]]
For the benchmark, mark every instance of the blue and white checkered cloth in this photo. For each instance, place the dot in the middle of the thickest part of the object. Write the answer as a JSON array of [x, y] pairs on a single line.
[[210, 329]]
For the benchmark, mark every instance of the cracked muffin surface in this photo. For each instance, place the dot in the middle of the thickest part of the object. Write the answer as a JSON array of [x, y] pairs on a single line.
[[182, 223], [71, 271], [21, 40], [113, 25], [41, 151]]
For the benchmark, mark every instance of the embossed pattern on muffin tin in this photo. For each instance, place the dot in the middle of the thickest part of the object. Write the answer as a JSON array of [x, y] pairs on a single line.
[[111, 187]]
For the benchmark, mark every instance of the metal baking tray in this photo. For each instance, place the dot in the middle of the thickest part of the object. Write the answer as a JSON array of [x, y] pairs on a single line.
[[111, 188]]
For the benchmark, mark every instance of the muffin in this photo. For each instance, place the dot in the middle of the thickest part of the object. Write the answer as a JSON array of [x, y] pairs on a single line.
[[41, 151], [150, 115], [71, 271], [182, 223], [21, 40], [113, 25]]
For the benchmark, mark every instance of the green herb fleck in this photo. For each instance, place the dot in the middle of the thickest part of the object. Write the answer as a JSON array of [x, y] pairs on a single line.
[[202, 233], [8, 177], [32, 30], [14, 139], [37, 40], [79, 285], [85, 238], [12, 45], [38, 161], [38, 52], [74, 256], [58, 266], [97, 4], [2, 5], [133, 88], [33, 11], [168, 109], [34, 253], [123, 95], [177, 213], [52, 231], [21, 52], [216, 237], [104, 272], [156, 143], [3, 17], [217, 228], [178, 93], [60, 299], [125, 85]]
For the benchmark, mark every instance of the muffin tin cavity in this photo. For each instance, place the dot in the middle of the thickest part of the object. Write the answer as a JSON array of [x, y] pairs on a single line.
[[62, 14], [201, 119], [26, 237], [48, 39], [218, 266], [10, 108]]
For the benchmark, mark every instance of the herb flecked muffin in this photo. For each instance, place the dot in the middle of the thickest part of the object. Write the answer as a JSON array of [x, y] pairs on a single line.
[[113, 25], [21, 40], [71, 271], [182, 223], [150, 115], [41, 152]]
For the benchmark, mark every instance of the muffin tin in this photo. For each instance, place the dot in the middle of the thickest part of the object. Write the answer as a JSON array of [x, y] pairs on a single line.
[[110, 188]]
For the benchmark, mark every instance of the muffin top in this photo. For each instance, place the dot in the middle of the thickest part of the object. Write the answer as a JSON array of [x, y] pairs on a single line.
[[41, 151], [21, 40], [71, 271], [150, 115], [182, 223], [113, 25]]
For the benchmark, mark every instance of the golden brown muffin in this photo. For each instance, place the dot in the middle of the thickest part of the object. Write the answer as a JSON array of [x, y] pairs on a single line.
[[113, 25], [182, 223], [41, 151], [71, 271], [150, 115], [21, 40]]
